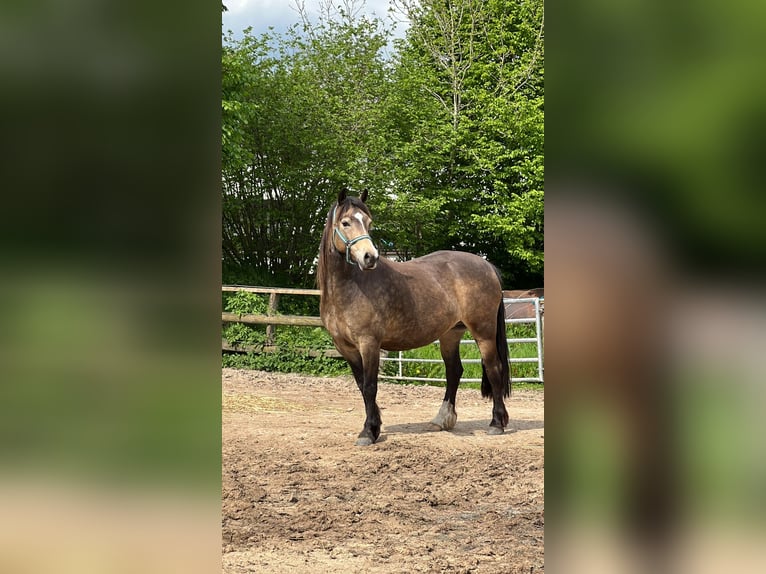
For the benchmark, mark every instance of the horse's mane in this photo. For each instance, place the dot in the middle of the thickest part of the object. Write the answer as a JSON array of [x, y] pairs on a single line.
[[325, 245], [324, 253]]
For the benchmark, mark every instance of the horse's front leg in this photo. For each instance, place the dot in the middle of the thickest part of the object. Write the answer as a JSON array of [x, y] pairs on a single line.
[[370, 355]]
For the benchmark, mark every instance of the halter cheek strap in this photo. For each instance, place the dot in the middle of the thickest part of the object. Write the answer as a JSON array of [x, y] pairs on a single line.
[[347, 242]]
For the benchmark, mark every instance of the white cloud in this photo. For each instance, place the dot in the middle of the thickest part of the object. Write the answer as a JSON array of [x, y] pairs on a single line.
[[242, 6], [261, 14], [236, 6]]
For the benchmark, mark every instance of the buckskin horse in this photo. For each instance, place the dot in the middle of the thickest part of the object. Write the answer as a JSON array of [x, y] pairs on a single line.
[[368, 303]]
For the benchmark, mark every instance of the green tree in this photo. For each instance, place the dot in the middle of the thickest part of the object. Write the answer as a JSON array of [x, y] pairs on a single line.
[[300, 118], [447, 134], [470, 83]]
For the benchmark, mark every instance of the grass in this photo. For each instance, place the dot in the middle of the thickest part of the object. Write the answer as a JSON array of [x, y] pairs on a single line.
[[517, 386], [469, 351]]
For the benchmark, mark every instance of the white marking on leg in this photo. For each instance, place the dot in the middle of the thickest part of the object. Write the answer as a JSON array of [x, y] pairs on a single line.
[[446, 417]]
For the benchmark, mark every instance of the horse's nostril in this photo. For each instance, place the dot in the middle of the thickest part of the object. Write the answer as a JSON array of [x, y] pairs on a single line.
[[370, 260]]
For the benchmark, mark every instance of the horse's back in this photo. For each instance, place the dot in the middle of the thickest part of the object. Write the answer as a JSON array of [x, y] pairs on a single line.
[[467, 281], [463, 269]]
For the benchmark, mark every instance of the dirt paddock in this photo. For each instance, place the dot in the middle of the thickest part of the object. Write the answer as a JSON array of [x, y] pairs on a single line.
[[298, 496]]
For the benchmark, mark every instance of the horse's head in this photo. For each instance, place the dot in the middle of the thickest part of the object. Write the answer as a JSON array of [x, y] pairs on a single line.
[[351, 221]]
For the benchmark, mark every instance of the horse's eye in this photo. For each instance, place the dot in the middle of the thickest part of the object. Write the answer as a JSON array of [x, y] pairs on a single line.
[[345, 223]]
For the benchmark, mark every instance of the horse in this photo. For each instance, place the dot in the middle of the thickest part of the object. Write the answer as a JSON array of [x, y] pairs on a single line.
[[369, 303]]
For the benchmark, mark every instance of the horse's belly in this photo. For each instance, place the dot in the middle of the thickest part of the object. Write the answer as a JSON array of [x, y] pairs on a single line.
[[406, 340], [399, 346]]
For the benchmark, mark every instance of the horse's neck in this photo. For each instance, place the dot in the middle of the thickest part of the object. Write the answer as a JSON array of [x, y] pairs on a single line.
[[338, 274], [345, 281]]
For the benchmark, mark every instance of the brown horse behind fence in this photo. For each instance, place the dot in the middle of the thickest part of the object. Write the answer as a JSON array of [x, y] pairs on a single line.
[[524, 310], [368, 304]]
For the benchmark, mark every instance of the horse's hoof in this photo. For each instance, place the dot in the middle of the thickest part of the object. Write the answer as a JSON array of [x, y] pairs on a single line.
[[442, 423], [363, 441], [446, 417], [495, 430]]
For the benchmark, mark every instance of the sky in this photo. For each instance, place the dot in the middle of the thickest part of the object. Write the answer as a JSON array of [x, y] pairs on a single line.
[[260, 14]]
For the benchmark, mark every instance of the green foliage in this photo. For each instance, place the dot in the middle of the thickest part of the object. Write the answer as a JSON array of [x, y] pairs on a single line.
[[300, 116], [292, 357], [292, 343], [299, 305], [239, 334], [469, 91], [242, 302], [303, 337], [446, 133]]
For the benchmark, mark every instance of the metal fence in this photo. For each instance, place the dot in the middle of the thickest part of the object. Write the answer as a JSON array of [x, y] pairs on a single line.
[[536, 319], [531, 309]]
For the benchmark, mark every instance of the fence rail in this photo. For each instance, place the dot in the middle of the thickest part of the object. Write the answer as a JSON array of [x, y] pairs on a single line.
[[271, 319], [536, 304], [226, 346], [270, 290], [253, 319]]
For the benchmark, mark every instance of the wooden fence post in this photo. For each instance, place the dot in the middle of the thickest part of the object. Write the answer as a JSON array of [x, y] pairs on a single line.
[[272, 310]]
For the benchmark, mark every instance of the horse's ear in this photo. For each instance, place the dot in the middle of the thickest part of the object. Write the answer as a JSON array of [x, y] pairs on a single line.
[[342, 194], [363, 197]]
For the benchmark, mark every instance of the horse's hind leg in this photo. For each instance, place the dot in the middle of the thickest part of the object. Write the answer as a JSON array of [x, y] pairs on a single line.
[[449, 345], [494, 372]]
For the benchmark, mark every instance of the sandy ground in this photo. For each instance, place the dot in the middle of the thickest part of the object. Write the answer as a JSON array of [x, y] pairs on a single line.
[[299, 496]]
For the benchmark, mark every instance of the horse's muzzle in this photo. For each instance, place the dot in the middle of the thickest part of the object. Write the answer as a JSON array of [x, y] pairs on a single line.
[[369, 260]]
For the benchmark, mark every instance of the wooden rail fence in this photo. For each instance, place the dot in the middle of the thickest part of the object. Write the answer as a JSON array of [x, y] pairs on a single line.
[[271, 319], [522, 306]]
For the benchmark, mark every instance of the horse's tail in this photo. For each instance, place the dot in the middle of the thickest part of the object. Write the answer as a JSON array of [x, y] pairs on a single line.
[[501, 341]]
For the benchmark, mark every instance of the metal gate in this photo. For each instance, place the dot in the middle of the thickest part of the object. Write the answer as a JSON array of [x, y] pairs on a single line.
[[536, 303]]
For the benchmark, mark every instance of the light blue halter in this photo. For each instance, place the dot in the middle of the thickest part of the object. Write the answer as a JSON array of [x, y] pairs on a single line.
[[347, 242]]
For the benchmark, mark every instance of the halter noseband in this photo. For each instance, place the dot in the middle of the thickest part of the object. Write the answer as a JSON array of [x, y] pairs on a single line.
[[347, 242]]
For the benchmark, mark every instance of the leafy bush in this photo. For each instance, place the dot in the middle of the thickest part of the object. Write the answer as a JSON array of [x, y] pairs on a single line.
[[303, 337], [292, 342], [286, 361], [299, 305], [242, 302], [238, 334]]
